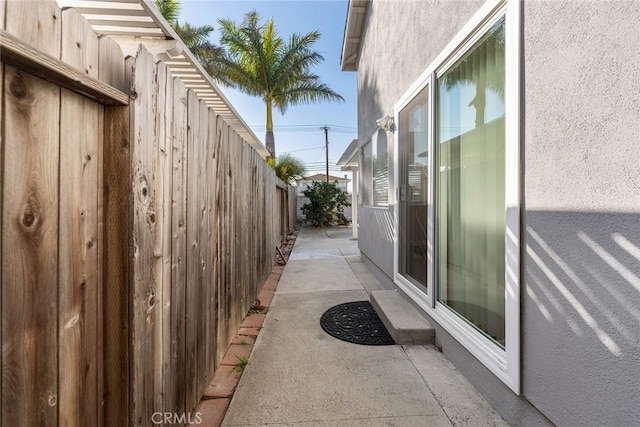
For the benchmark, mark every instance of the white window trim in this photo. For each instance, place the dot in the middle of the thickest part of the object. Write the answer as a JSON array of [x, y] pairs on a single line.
[[374, 144], [505, 364], [373, 139]]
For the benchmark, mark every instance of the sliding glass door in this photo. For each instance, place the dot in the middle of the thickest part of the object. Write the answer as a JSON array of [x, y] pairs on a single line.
[[414, 160], [470, 185]]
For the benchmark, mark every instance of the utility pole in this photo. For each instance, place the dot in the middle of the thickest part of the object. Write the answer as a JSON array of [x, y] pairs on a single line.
[[326, 148]]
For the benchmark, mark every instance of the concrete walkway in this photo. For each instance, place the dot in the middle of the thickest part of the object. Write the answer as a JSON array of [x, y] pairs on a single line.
[[300, 376]]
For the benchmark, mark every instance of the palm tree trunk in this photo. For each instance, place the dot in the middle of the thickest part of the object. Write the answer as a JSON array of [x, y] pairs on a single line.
[[269, 140]]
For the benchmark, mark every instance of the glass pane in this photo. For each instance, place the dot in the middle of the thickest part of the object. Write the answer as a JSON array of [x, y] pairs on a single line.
[[470, 185], [380, 167], [366, 177], [414, 190]]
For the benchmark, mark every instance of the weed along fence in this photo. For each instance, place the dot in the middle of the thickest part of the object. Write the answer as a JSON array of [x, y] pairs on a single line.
[[138, 226], [287, 203]]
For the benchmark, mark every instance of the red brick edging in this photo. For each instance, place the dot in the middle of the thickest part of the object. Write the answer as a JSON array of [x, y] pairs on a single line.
[[218, 394]]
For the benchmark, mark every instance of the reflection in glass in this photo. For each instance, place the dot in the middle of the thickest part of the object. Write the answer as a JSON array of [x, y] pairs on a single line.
[[470, 182], [414, 190], [380, 168], [366, 176]]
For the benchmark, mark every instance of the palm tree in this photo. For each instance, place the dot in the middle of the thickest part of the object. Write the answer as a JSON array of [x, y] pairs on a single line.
[[195, 37], [288, 168], [257, 61], [170, 9]]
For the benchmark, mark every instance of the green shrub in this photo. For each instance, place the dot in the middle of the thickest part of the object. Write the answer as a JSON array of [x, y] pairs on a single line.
[[326, 204]]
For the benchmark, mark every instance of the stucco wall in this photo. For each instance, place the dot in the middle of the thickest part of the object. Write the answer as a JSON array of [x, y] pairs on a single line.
[[391, 59], [581, 296], [581, 197]]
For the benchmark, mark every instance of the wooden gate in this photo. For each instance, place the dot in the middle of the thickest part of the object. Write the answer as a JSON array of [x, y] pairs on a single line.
[[56, 77]]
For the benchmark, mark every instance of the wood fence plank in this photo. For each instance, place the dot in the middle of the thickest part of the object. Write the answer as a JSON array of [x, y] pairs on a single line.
[[201, 146], [144, 299], [3, 8], [30, 251], [100, 382], [219, 265], [175, 387], [111, 65], [162, 248], [210, 296], [2, 5], [117, 274], [79, 46], [115, 189], [193, 252], [36, 24], [167, 237], [79, 277], [236, 261]]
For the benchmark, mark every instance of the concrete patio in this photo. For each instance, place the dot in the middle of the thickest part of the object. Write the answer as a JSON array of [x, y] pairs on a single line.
[[299, 375]]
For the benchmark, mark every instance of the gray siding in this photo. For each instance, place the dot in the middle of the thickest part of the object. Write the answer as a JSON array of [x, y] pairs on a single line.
[[581, 197]]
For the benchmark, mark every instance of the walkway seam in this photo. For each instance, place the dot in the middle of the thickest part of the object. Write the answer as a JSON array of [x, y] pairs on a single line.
[[424, 380]]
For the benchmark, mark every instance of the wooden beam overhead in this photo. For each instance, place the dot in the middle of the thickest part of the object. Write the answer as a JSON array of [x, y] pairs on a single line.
[[22, 56]]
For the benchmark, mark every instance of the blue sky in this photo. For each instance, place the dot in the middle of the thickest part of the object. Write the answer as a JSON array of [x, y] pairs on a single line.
[[298, 130]]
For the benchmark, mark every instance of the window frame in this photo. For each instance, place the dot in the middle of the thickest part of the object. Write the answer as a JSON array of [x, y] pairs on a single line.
[[369, 192], [374, 151], [504, 363], [365, 183]]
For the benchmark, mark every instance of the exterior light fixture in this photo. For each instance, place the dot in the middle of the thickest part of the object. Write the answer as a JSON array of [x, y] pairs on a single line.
[[386, 123]]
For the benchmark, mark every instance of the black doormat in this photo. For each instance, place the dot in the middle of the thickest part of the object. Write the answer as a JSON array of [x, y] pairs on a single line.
[[355, 322]]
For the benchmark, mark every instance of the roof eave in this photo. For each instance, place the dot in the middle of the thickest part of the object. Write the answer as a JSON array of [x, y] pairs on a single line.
[[356, 13], [346, 160]]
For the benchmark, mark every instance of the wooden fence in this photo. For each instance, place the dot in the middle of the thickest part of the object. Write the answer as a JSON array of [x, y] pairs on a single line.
[[137, 228]]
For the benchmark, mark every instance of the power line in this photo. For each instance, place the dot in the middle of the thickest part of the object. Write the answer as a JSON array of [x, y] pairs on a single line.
[[306, 125], [304, 149]]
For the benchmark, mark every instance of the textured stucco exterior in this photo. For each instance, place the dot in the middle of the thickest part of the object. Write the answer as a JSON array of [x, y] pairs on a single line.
[[399, 40], [580, 228]]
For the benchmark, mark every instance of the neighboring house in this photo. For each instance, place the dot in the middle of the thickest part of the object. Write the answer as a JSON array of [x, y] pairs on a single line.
[[499, 182], [349, 162], [306, 182]]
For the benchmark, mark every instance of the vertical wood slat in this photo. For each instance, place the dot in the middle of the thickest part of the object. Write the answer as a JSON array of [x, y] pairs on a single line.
[[2, 5], [166, 165], [29, 221], [193, 252], [117, 277], [201, 147], [143, 296], [210, 280], [30, 251], [80, 280], [118, 224], [175, 381], [111, 64], [161, 248], [111, 70], [36, 23], [220, 239]]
